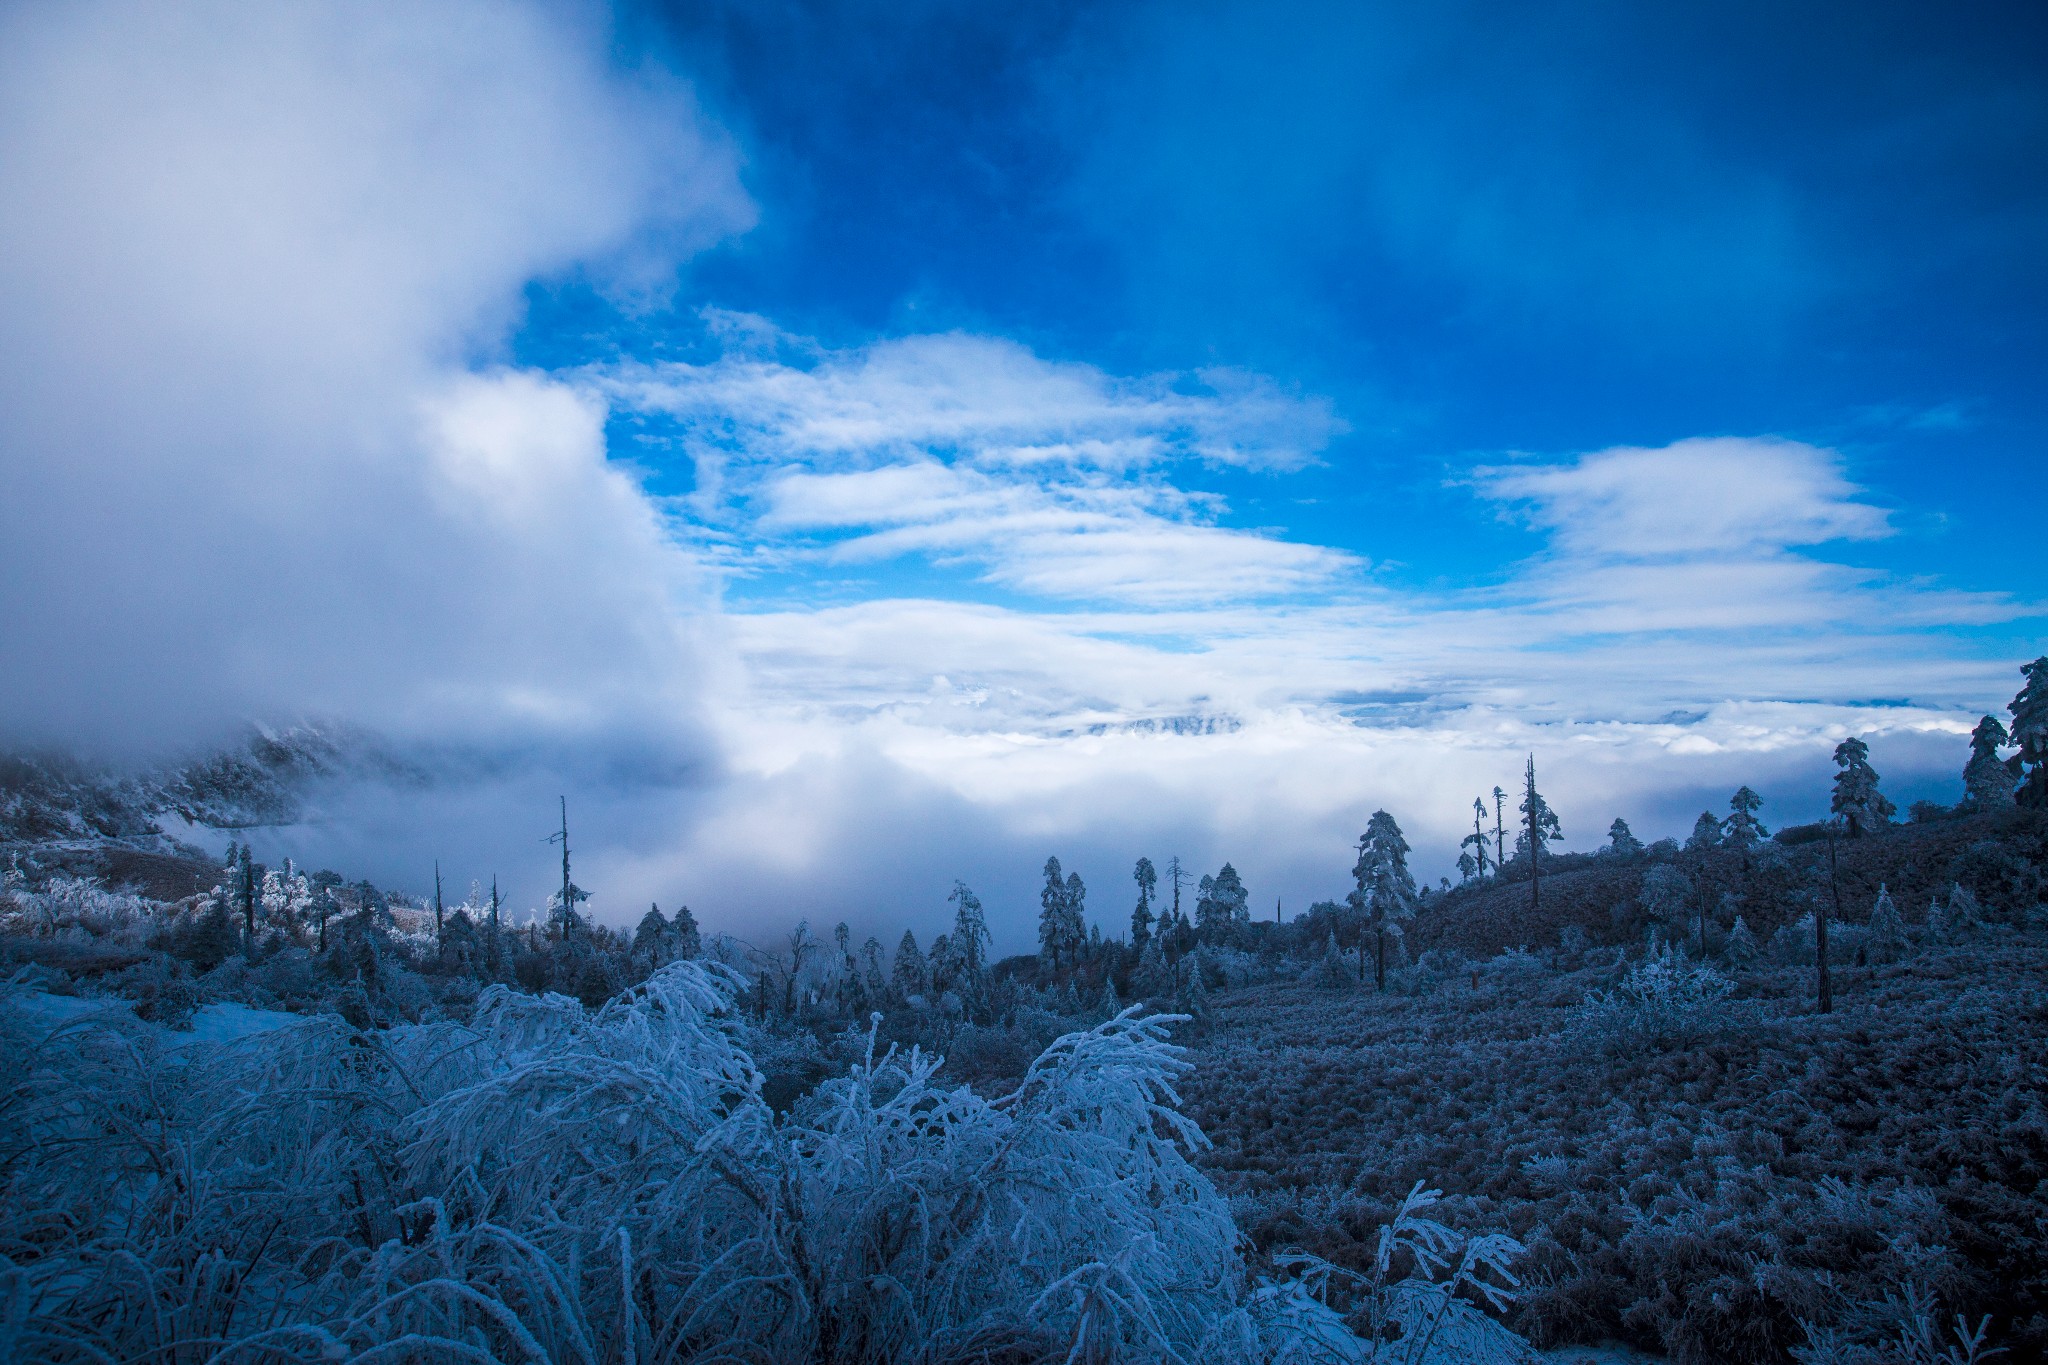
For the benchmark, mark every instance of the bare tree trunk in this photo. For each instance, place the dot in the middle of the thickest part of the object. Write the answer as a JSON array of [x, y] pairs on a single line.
[[1820, 926], [1381, 935]]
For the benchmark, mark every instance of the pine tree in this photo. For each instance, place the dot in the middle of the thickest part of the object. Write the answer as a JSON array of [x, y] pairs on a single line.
[[245, 889], [1621, 840], [970, 932], [1742, 945], [1706, 834], [1052, 917], [1887, 937], [1476, 843], [1742, 829], [1540, 827], [1467, 869], [1949, 922], [1142, 916], [1385, 890], [653, 937], [689, 943], [871, 969], [1856, 799], [1221, 907], [1074, 922], [2030, 733], [910, 975], [1987, 778]]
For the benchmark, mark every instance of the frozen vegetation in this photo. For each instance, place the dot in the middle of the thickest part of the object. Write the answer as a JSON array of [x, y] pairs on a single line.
[[1751, 1097]]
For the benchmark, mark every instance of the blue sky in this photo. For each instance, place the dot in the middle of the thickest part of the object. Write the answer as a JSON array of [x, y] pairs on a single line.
[[1475, 229], [847, 447]]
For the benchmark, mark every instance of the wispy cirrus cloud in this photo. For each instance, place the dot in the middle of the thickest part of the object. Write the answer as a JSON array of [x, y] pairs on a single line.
[[1050, 478]]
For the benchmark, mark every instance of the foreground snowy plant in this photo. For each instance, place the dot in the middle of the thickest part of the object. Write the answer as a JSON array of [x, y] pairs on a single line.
[[557, 1184], [1422, 1302], [1664, 1000]]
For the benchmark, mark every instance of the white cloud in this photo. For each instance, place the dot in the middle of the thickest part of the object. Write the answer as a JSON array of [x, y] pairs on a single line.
[[248, 258], [1052, 478], [1697, 497], [255, 263]]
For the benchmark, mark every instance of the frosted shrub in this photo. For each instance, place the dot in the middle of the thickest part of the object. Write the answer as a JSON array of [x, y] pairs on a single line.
[[74, 903], [1960, 917], [1665, 999], [1741, 949], [1514, 967], [1886, 941], [556, 1183], [1423, 1300]]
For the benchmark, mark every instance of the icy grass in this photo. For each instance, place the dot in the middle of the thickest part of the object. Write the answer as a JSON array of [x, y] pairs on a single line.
[[1703, 1175], [551, 1183]]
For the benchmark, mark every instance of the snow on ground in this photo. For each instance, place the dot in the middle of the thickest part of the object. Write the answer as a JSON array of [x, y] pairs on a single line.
[[218, 1023]]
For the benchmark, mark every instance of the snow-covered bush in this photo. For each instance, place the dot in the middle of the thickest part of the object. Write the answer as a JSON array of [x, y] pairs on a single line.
[[1665, 999], [1886, 939], [74, 904], [557, 1183], [1420, 1300]]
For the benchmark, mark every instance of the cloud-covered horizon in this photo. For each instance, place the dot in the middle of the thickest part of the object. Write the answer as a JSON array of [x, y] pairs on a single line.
[[807, 628]]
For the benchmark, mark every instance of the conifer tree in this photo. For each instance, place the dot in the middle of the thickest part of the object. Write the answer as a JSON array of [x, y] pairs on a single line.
[[689, 943], [1857, 800], [910, 974], [2030, 733], [1476, 844], [1074, 921], [1540, 827], [1052, 916], [1987, 778], [1742, 945], [651, 938], [1887, 940], [1621, 840], [1500, 846], [871, 968], [970, 932], [1706, 834], [1142, 917], [1742, 829], [1385, 890]]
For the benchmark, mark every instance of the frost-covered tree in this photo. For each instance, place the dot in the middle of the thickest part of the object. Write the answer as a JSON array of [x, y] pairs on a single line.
[[1957, 917], [1742, 947], [654, 936], [286, 898], [1222, 906], [1668, 895], [1540, 828], [689, 940], [1384, 892], [970, 933], [871, 969], [1142, 916], [1886, 941], [1988, 778], [1476, 845], [1742, 829], [1621, 840], [1857, 800], [2030, 733], [1706, 834], [1076, 922], [1052, 916], [911, 975], [1467, 869]]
